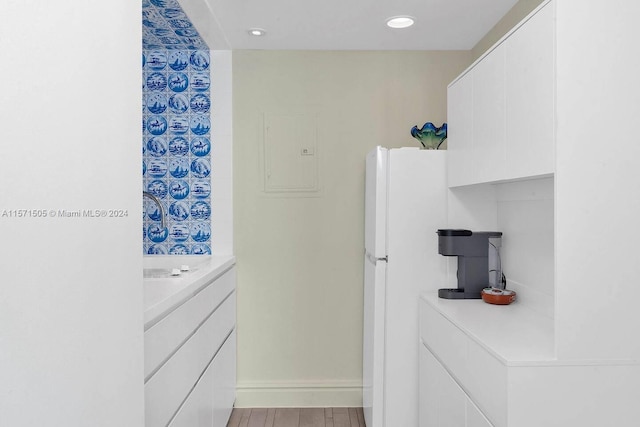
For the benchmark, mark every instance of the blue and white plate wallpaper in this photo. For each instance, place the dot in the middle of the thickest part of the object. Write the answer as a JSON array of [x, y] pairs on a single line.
[[166, 26], [178, 104], [200, 146], [176, 127], [179, 146]]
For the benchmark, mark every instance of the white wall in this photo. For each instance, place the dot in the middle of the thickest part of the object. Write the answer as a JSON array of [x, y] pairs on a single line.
[[525, 215], [300, 256], [524, 212], [221, 152], [71, 288], [521, 9]]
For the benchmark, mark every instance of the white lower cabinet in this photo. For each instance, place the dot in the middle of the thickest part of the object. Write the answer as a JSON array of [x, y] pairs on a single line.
[[483, 365], [197, 410], [475, 418], [211, 401], [224, 387], [442, 402], [191, 360]]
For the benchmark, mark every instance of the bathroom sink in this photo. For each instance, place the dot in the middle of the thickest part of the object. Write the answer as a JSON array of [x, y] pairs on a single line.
[[163, 291], [158, 273], [168, 267]]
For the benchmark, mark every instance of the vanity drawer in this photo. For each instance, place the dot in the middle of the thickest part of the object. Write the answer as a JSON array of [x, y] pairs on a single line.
[[165, 337], [169, 386]]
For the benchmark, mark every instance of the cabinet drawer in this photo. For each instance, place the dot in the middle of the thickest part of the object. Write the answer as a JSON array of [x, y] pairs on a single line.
[[442, 402], [166, 336], [169, 386], [211, 401], [479, 373], [224, 389], [486, 383], [446, 341], [197, 410], [475, 418]]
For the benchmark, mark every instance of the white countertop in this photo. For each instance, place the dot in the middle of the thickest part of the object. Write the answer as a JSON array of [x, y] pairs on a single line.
[[514, 334], [163, 295]]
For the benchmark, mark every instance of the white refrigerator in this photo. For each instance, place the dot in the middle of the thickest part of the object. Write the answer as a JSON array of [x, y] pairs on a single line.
[[405, 204]]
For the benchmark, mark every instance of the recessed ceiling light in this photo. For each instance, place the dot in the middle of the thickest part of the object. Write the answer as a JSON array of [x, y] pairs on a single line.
[[257, 32], [400, 22]]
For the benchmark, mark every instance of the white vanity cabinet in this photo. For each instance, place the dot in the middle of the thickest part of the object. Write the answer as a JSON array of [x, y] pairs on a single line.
[[210, 402], [501, 109], [190, 359]]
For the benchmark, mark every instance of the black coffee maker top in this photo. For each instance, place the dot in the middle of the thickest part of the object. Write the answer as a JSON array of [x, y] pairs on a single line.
[[454, 232]]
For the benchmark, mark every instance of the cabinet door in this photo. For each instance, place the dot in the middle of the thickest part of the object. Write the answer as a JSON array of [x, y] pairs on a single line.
[[489, 130], [530, 97], [460, 163], [442, 401]]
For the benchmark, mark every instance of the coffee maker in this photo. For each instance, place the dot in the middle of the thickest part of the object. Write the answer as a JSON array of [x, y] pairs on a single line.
[[479, 263]]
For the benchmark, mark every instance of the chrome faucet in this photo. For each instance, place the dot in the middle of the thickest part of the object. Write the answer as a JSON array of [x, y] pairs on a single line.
[[159, 203]]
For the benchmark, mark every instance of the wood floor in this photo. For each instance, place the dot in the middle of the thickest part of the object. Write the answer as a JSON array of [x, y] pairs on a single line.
[[296, 417]]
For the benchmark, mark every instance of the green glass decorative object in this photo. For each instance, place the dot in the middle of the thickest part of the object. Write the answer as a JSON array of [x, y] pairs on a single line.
[[430, 136]]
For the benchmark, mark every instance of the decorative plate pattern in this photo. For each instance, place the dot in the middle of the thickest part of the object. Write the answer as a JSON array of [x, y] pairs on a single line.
[[156, 146], [157, 103], [200, 146], [200, 210], [179, 125], [176, 127], [158, 188], [179, 146], [200, 124], [178, 82], [201, 232], [179, 232], [178, 103], [201, 189], [179, 189]]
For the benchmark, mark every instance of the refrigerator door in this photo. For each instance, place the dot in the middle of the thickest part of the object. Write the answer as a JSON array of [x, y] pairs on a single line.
[[417, 205], [375, 218], [373, 341]]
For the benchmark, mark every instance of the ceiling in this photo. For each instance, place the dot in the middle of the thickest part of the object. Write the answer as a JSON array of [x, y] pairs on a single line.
[[344, 24]]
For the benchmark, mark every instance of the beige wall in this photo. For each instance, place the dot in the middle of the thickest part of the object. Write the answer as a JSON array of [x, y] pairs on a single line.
[[300, 259], [515, 15]]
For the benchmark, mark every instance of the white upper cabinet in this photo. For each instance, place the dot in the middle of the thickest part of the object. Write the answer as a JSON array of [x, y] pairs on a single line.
[[460, 131], [488, 113], [530, 97], [501, 110]]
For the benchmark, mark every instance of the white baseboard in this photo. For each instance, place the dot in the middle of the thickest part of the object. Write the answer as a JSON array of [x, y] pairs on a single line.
[[299, 394]]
